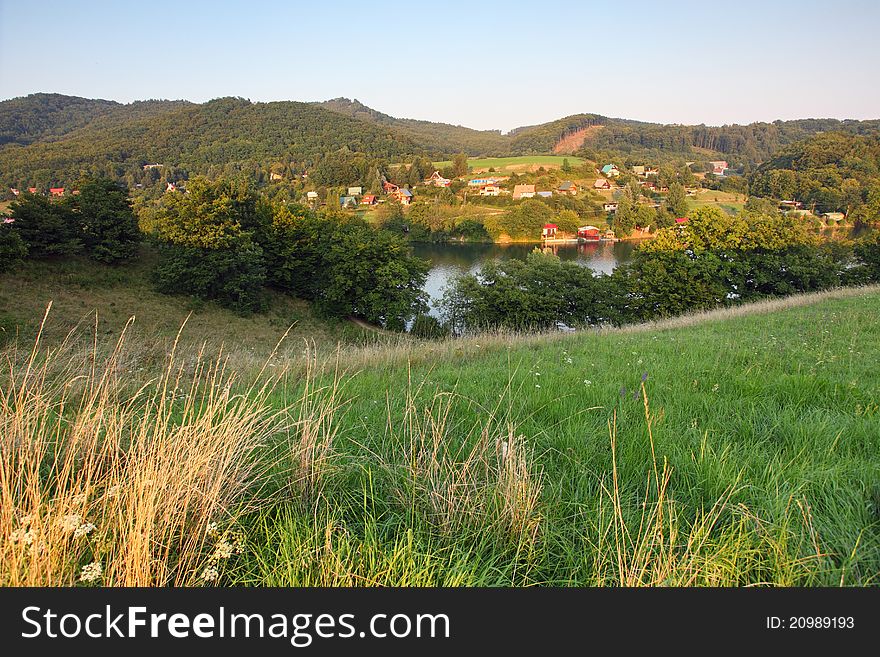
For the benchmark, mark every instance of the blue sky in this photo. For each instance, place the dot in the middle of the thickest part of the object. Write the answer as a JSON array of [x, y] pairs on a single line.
[[482, 64]]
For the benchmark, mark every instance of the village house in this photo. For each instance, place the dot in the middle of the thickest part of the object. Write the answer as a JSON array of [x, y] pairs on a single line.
[[639, 170], [490, 190], [681, 220], [14, 191], [833, 216], [369, 199], [602, 183], [567, 187], [312, 196], [719, 167], [480, 182], [403, 196], [588, 234], [151, 166], [545, 194], [56, 191], [355, 191], [789, 205], [348, 201], [609, 207], [170, 187], [437, 180], [32, 190], [389, 188], [610, 170], [523, 191], [549, 231]]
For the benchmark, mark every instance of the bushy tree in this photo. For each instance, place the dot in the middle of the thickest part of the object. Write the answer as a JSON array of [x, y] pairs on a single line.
[[676, 200], [12, 247], [209, 244], [48, 228], [110, 230]]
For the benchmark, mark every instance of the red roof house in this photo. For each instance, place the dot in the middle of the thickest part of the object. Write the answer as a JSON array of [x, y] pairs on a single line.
[[681, 220], [369, 199], [389, 188], [588, 233], [32, 190], [56, 191], [549, 230]]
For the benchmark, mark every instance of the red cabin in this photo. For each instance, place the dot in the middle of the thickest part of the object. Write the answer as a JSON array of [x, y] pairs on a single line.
[[589, 234], [681, 220], [56, 191], [549, 230]]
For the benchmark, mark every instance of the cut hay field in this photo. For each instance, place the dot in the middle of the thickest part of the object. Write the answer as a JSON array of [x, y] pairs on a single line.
[[520, 164], [738, 447]]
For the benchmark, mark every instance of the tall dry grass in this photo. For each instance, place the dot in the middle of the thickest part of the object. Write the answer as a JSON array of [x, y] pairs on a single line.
[[103, 481], [476, 478]]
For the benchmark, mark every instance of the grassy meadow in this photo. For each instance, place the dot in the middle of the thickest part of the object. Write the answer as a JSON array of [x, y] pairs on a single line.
[[518, 164], [737, 447]]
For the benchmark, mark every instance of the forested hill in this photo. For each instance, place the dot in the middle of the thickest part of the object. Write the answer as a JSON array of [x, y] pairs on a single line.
[[434, 137], [50, 139], [830, 172], [45, 117], [223, 136]]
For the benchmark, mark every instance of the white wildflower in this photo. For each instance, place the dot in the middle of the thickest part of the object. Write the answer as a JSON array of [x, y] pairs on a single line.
[[537, 385], [91, 572], [212, 529], [210, 574], [715, 388], [22, 535], [224, 550], [587, 382], [70, 522], [83, 530]]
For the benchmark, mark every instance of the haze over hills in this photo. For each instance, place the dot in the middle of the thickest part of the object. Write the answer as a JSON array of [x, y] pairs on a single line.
[[52, 139]]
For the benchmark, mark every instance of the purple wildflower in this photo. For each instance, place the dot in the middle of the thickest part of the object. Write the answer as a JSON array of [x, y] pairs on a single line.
[[644, 377], [623, 391]]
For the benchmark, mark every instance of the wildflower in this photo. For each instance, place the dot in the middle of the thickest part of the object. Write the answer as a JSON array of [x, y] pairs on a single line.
[[537, 385], [70, 522], [715, 388], [22, 536], [210, 574], [83, 530], [92, 572], [224, 550], [212, 529], [623, 392], [587, 382], [644, 377]]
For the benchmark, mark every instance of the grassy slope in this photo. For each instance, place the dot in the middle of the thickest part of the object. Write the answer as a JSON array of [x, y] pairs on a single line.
[[775, 413], [80, 288], [772, 409]]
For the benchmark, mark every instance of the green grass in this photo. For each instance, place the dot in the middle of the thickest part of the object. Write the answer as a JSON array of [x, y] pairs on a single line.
[[750, 455], [80, 289], [518, 164], [771, 419]]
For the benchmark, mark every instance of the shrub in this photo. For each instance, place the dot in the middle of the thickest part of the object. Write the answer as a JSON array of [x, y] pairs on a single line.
[[110, 230], [233, 277], [47, 228], [12, 247]]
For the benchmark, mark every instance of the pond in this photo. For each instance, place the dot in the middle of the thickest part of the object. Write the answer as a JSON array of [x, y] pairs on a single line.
[[451, 259]]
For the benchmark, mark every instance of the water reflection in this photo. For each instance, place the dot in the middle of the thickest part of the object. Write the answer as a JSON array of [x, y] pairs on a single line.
[[452, 259]]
